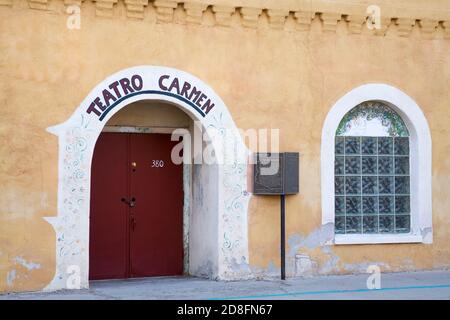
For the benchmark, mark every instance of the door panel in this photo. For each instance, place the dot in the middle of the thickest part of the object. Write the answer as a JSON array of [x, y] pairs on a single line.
[[157, 237], [145, 239], [108, 244]]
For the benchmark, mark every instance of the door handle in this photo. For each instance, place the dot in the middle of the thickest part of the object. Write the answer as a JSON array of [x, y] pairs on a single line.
[[130, 203]]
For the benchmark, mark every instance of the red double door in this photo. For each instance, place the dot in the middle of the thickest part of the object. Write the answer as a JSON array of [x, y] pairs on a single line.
[[136, 219]]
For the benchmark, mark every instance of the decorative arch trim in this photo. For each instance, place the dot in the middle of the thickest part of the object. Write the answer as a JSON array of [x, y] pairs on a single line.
[[420, 140]]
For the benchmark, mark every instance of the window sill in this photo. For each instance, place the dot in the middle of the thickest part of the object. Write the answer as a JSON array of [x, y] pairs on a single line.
[[376, 239]]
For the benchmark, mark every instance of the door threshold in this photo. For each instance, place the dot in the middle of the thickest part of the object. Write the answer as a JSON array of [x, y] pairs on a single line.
[[140, 279]]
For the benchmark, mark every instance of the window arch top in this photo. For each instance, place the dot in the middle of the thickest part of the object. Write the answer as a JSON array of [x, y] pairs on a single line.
[[372, 118]]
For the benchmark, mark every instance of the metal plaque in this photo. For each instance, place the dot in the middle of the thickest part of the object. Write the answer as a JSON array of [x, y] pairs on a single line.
[[276, 173]]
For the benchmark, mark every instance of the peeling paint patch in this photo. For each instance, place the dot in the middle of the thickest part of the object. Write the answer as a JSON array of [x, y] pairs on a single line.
[[318, 237], [304, 265], [332, 263], [10, 277], [26, 264], [240, 267]]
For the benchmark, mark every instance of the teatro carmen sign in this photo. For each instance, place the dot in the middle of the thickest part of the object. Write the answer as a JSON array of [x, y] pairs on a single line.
[[127, 87]]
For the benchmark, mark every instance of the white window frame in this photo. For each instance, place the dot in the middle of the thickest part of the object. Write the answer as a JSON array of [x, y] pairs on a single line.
[[420, 162]]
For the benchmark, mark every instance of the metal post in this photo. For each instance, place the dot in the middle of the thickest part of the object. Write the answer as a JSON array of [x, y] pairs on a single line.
[[283, 238]]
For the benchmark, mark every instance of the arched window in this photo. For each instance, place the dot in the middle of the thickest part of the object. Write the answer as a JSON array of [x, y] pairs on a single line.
[[372, 181], [376, 169]]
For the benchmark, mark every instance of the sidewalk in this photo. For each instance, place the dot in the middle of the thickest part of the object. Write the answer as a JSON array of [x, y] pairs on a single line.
[[406, 285]]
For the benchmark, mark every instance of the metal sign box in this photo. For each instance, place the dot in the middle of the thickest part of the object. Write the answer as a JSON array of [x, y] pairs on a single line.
[[276, 173]]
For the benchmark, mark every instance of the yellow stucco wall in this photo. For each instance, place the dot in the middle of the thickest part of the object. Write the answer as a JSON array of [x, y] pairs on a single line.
[[151, 114], [268, 78]]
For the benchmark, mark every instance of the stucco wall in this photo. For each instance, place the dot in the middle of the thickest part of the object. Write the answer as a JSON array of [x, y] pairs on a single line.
[[151, 114], [268, 77]]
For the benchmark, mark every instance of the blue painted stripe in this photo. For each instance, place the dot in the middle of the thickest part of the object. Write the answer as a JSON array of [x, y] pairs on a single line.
[[164, 93], [333, 291]]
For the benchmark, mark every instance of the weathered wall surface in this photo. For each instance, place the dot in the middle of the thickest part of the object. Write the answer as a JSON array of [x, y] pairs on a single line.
[[271, 73]]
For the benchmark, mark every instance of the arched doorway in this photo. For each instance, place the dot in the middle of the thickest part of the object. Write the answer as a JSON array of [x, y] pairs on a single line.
[[220, 208]]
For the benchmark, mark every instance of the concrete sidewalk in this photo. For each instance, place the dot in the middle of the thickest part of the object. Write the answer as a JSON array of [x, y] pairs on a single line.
[[406, 285]]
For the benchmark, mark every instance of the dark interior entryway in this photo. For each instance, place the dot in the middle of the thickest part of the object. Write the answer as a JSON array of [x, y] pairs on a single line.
[[136, 220]]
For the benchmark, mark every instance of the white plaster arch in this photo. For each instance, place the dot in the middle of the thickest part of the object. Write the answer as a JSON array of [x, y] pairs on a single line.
[[420, 146], [77, 137]]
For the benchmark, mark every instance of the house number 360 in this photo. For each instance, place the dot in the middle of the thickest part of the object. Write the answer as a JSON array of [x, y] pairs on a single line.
[[157, 163]]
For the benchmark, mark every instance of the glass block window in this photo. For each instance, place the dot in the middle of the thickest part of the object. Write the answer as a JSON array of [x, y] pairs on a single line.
[[372, 180]]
